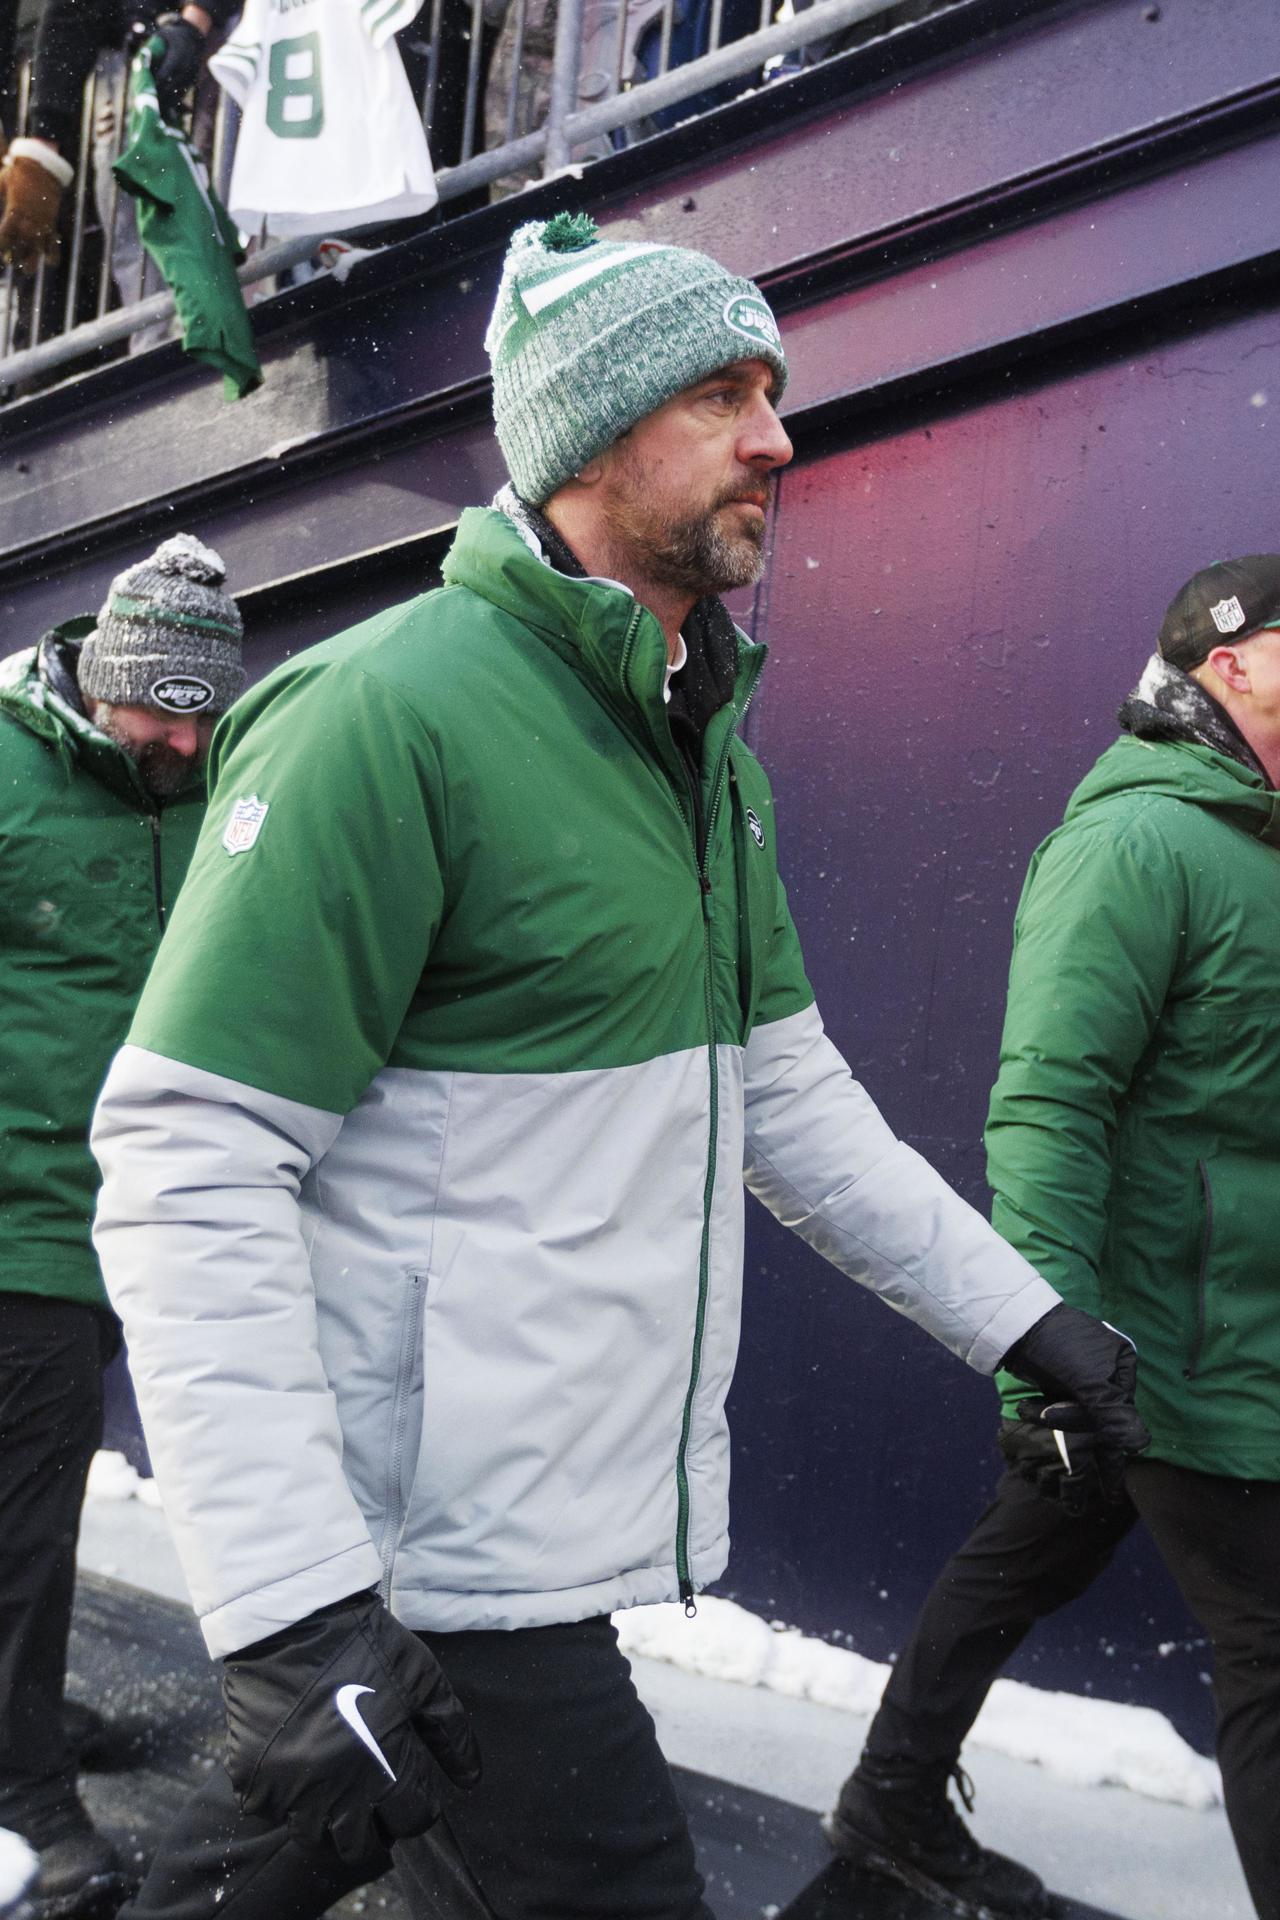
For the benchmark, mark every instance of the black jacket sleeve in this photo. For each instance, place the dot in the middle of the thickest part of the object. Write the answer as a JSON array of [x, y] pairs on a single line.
[[69, 39]]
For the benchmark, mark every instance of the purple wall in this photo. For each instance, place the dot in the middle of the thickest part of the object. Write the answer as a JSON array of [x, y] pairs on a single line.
[[955, 612]]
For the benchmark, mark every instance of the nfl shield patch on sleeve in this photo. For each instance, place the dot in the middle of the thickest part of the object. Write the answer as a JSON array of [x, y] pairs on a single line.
[[245, 824]]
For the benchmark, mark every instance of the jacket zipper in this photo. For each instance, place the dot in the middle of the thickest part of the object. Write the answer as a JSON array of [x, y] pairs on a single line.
[[1206, 1248], [157, 869], [700, 848]]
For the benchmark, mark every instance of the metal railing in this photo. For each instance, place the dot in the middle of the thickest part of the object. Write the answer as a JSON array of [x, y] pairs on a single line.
[[585, 76]]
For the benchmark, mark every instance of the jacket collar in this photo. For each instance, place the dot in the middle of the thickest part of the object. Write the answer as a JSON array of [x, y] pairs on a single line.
[[39, 689], [598, 626]]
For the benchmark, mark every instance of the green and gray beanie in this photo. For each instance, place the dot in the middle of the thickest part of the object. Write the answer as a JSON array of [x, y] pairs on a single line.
[[590, 334], [168, 636]]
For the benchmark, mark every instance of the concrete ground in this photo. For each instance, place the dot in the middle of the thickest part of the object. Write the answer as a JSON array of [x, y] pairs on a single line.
[[1105, 1847]]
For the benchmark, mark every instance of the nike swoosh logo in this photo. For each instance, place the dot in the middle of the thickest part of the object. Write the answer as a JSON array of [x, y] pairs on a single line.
[[537, 299], [345, 1701]]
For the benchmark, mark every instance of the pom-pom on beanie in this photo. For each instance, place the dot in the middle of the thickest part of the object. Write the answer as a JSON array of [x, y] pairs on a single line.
[[168, 636], [589, 334]]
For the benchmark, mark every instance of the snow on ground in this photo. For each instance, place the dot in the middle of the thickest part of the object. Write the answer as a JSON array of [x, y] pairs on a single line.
[[1086, 1742], [112, 1478], [18, 1869]]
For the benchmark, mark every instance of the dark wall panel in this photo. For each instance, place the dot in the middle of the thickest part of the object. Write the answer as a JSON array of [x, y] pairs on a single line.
[[955, 611]]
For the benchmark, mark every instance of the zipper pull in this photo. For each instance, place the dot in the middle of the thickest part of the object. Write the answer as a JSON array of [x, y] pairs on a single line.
[[708, 904], [690, 1604]]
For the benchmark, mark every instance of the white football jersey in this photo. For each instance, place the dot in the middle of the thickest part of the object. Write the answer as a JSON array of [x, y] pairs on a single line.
[[329, 135]]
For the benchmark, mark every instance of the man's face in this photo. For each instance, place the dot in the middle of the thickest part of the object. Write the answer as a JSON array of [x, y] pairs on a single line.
[[166, 748], [687, 489]]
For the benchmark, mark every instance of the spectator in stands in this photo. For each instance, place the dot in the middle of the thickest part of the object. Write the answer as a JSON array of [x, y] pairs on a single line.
[[74, 37], [423, 1164], [104, 727], [1132, 1145]]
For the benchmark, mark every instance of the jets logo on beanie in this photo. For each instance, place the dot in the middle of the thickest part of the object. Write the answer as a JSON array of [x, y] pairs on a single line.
[[589, 334]]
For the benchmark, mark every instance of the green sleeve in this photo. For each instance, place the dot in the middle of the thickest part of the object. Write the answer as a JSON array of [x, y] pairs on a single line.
[[289, 965], [1096, 945], [784, 987]]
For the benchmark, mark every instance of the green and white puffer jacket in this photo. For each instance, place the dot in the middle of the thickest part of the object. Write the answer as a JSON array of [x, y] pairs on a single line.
[[423, 1164], [89, 865]]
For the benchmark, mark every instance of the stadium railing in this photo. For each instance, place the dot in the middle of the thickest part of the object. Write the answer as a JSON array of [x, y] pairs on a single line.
[[619, 71]]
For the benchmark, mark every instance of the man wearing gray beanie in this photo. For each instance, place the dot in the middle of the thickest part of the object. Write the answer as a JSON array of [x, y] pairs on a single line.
[[423, 1160], [104, 728]]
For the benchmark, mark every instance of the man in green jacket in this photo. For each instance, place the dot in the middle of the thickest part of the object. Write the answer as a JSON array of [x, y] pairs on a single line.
[[104, 728], [1134, 1149], [424, 1159]]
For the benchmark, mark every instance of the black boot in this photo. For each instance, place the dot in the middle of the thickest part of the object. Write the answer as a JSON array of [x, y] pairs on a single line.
[[894, 1817], [81, 1874]]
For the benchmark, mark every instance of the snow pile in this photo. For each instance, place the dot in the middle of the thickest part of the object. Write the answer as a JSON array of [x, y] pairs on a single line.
[[1097, 1743], [112, 1478], [1090, 1743], [18, 1869]]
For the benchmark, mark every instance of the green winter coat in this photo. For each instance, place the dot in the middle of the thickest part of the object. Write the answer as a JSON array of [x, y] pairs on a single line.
[[1134, 1134], [88, 865]]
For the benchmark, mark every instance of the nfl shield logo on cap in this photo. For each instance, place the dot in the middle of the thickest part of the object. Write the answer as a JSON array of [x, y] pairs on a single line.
[[245, 824], [1228, 615]]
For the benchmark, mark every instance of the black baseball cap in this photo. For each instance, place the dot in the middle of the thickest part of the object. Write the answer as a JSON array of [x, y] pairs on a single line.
[[1225, 602]]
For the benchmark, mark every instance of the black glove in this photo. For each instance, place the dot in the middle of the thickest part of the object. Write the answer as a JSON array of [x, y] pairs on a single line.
[[175, 70], [1087, 1371], [1059, 1467], [333, 1725]]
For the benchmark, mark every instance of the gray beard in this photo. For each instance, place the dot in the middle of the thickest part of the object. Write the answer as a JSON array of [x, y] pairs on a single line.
[[699, 558], [161, 771], [693, 556]]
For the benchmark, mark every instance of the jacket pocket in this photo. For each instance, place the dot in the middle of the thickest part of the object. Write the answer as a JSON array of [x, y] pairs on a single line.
[[1234, 1330], [405, 1427], [1192, 1367]]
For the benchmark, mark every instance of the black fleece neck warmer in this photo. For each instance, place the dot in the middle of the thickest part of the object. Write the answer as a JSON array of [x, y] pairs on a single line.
[[56, 662], [1167, 704]]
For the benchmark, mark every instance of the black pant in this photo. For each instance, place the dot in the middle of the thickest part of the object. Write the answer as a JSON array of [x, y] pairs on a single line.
[[576, 1817], [52, 1353], [1220, 1539], [1025, 1558]]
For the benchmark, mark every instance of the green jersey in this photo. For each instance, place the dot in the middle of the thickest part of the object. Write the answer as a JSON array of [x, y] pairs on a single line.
[[189, 234]]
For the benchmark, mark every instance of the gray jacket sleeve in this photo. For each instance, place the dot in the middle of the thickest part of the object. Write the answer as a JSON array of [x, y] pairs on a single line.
[[822, 1158], [208, 1270]]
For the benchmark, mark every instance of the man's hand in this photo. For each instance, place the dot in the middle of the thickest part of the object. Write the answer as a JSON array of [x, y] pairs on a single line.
[[1059, 1466], [1087, 1372], [335, 1727], [176, 69], [32, 180]]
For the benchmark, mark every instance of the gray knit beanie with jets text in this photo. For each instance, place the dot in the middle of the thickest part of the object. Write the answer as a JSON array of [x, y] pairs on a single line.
[[589, 334], [167, 637]]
